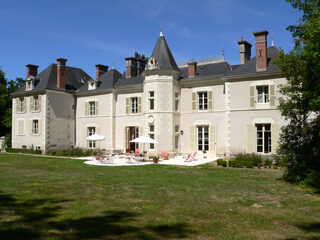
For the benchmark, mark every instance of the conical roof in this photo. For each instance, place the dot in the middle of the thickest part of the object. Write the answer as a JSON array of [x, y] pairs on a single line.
[[163, 55]]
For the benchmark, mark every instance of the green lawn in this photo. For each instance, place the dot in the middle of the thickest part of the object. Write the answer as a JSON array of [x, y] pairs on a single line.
[[48, 198]]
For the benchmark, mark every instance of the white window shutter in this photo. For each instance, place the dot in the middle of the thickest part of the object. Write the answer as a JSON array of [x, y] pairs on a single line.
[[275, 133], [210, 100], [139, 105], [125, 139], [98, 130], [192, 139], [272, 95], [212, 138], [84, 136], [140, 134], [25, 104], [86, 109], [97, 108], [31, 103], [39, 127], [17, 102], [252, 100], [127, 105], [250, 138], [19, 127], [40, 102], [30, 127], [194, 101]]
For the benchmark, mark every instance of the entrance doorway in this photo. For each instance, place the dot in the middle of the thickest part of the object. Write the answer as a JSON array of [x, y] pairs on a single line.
[[131, 133]]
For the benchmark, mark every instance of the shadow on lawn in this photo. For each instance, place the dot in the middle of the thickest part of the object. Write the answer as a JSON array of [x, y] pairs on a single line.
[[34, 219]]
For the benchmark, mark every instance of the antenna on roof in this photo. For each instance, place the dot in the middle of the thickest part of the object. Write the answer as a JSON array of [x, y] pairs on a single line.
[[223, 53], [112, 64], [161, 33], [272, 43]]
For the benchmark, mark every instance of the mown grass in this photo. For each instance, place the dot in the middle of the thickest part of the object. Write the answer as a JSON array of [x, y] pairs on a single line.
[[48, 198]]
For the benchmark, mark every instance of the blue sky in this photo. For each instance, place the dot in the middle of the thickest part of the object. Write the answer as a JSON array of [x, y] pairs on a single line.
[[89, 32]]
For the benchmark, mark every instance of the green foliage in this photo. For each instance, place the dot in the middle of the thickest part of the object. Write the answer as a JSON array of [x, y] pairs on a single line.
[[222, 162], [299, 148], [76, 152], [22, 150], [141, 57], [6, 88], [245, 160]]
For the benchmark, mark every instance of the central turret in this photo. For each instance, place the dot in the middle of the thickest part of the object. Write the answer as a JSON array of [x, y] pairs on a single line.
[[161, 88]]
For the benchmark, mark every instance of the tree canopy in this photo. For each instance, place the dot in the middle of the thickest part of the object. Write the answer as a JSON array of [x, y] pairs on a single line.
[[6, 88], [300, 105]]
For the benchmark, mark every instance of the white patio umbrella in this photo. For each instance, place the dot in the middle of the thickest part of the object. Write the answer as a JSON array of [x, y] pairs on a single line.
[[144, 139], [95, 137]]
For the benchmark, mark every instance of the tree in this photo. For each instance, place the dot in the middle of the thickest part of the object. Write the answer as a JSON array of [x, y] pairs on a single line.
[[299, 148], [141, 57], [6, 88]]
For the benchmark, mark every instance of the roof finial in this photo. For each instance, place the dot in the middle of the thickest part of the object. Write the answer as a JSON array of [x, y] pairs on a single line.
[[161, 33], [112, 64], [272, 43]]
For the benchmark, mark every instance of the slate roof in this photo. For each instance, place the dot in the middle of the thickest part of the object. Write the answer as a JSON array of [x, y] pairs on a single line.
[[113, 79], [107, 81], [75, 77], [163, 55], [130, 82], [250, 66]]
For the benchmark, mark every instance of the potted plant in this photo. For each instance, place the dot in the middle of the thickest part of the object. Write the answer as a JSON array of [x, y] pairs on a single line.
[[155, 159], [204, 154]]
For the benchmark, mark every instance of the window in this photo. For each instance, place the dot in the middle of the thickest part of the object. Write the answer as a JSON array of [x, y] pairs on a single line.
[[151, 135], [35, 126], [92, 108], [91, 131], [202, 100], [176, 136], [29, 85], [176, 102], [263, 138], [203, 138], [134, 105], [20, 104], [24, 146], [36, 103], [263, 94], [151, 100]]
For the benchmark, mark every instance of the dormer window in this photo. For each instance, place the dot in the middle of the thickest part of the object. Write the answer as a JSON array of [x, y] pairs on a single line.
[[92, 84], [29, 84]]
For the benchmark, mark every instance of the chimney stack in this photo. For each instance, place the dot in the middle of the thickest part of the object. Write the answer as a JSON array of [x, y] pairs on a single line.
[[32, 70], [140, 66], [192, 69], [100, 70], [131, 65], [261, 50], [61, 73], [245, 51]]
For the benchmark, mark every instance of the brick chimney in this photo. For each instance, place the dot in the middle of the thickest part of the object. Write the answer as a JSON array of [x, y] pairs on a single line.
[[61, 73], [140, 66], [192, 69], [245, 51], [261, 50], [32, 70], [131, 65], [100, 70]]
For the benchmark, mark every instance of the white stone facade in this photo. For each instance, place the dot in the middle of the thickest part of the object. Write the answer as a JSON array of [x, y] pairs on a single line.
[[216, 115]]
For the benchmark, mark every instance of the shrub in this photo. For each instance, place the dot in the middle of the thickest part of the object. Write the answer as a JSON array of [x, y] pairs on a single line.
[[23, 150], [222, 162], [245, 160]]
